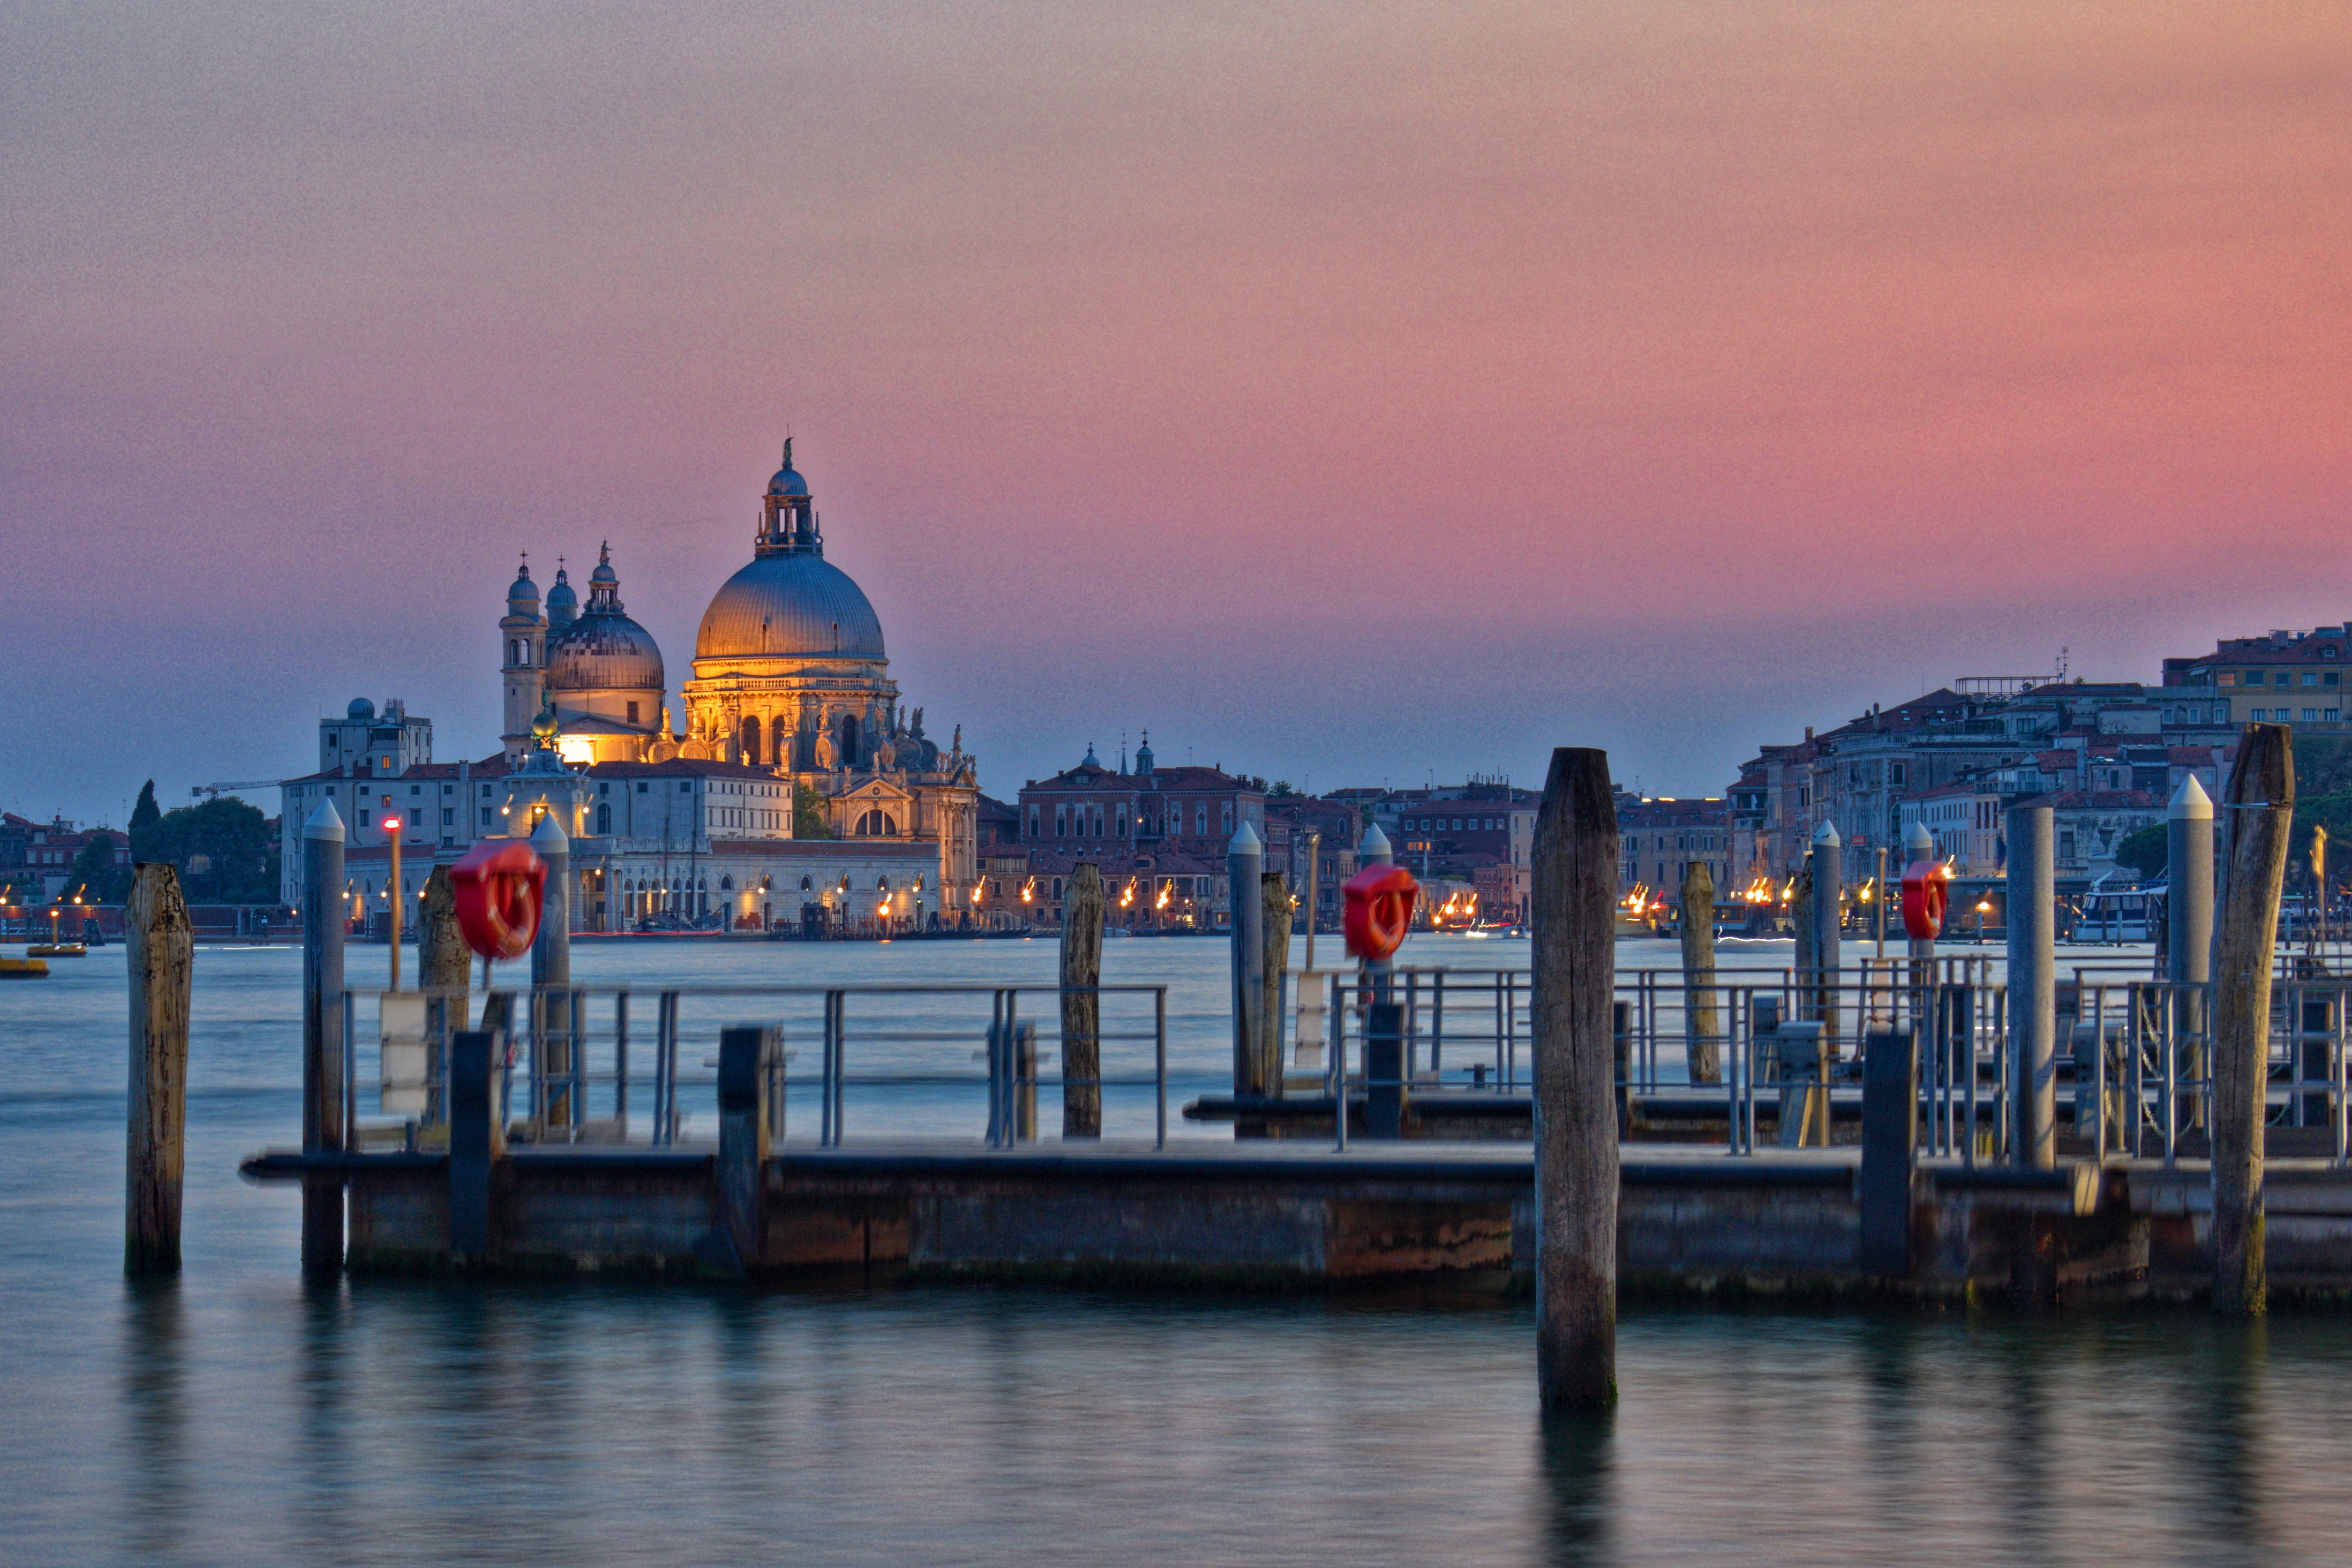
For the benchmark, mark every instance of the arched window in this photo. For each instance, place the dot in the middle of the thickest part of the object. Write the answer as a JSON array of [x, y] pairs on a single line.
[[726, 884], [751, 741], [876, 825], [806, 884], [1057, 887], [881, 884], [849, 740]]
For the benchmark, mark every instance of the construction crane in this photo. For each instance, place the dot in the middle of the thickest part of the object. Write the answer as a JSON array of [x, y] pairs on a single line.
[[203, 791]]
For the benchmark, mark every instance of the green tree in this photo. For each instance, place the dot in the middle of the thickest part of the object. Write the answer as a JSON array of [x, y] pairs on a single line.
[[2144, 851], [145, 817], [224, 850], [1281, 787], [94, 874], [808, 815]]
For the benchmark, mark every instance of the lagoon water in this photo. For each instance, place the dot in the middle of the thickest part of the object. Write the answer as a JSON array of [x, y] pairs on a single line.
[[236, 1417]]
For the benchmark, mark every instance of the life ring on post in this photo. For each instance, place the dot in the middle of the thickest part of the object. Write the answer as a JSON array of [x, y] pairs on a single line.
[[1378, 909], [1926, 886], [501, 885]]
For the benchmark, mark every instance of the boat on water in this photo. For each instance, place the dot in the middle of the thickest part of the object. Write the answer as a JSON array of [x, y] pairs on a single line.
[[57, 950], [23, 969]]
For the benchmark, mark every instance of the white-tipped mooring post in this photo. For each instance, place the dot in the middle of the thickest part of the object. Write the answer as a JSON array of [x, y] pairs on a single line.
[[323, 1130], [1244, 861], [1575, 1100], [159, 951], [2032, 987], [550, 972], [2260, 799], [2188, 919], [1828, 887]]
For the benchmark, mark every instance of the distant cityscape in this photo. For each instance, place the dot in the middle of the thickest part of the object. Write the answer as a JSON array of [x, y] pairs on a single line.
[[799, 795]]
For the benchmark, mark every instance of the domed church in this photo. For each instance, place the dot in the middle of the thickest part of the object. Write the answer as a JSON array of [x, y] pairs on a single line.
[[790, 678]]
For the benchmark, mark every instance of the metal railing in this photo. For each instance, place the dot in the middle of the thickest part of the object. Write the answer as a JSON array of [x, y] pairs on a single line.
[[2131, 1056], [575, 1067]]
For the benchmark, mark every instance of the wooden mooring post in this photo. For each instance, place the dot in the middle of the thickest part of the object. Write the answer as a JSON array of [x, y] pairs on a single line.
[[1699, 1026], [2259, 814], [1274, 890], [1244, 857], [159, 950], [1082, 941], [322, 1038], [1575, 906]]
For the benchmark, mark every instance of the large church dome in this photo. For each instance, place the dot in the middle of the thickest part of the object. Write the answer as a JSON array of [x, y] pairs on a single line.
[[789, 604]]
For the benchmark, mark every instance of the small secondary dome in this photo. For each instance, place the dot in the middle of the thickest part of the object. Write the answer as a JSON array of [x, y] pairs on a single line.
[[603, 649], [361, 708]]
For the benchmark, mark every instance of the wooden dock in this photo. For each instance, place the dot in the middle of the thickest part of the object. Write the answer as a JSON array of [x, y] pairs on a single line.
[[1692, 1222]]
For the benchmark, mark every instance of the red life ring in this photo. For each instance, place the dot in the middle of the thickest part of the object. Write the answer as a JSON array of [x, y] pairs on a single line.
[[501, 886], [1925, 890], [1378, 909]]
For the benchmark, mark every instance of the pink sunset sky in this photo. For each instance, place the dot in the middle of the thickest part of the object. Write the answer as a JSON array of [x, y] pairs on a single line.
[[1345, 393]]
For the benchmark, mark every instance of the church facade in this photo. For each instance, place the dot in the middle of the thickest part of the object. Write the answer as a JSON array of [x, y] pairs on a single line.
[[790, 697], [791, 678]]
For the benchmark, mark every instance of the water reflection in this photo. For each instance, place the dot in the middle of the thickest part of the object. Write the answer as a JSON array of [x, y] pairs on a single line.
[[1576, 1456], [155, 1415]]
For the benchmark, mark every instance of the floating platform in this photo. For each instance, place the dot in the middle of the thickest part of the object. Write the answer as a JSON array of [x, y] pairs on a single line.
[[1265, 1216]]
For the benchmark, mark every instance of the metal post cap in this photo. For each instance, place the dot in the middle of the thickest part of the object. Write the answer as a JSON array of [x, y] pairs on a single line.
[[1826, 835], [1919, 841], [326, 822], [1245, 842], [2189, 802], [1374, 842], [549, 838]]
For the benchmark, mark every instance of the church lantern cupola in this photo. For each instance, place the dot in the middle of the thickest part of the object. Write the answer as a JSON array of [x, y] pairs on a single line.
[[788, 519]]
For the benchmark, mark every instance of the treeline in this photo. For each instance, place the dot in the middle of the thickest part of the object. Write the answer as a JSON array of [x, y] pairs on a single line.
[[222, 848]]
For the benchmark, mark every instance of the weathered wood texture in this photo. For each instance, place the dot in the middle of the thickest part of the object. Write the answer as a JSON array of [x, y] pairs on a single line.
[[1276, 893], [444, 962], [159, 950], [2257, 814], [1807, 957], [1700, 1020], [322, 1038], [1082, 940], [1575, 907]]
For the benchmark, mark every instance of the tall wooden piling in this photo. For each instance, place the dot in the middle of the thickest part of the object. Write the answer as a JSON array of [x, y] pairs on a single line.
[[1575, 906], [1082, 940], [322, 1038], [159, 950], [444, 962], [1829, 909], [2259, 814], [1699, 1026], [2188, 924], [1244, 858], [1276, 890]]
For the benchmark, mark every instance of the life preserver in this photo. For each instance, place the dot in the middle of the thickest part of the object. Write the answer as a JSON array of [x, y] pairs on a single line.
[[1926, 887], [1376, 910], [501, 886]]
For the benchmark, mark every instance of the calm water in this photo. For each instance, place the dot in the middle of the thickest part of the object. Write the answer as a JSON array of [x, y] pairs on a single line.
[[236, 1417]]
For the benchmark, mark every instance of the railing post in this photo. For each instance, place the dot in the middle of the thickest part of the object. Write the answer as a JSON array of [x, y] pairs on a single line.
[[322, 1038], [1890, 1150], [476, 1140], [743, 1058], [1245, 855], [1159, 1061], [550, 971]]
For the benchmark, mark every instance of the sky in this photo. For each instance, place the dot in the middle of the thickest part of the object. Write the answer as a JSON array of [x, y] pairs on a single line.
[[1344, 392]]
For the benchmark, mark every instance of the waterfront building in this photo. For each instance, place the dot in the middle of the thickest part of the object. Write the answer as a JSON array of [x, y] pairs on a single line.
[[1660, 838], [1089, 810], [2294, 678]]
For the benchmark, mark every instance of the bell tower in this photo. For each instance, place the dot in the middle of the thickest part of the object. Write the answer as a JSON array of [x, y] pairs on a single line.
[[522, 661]]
